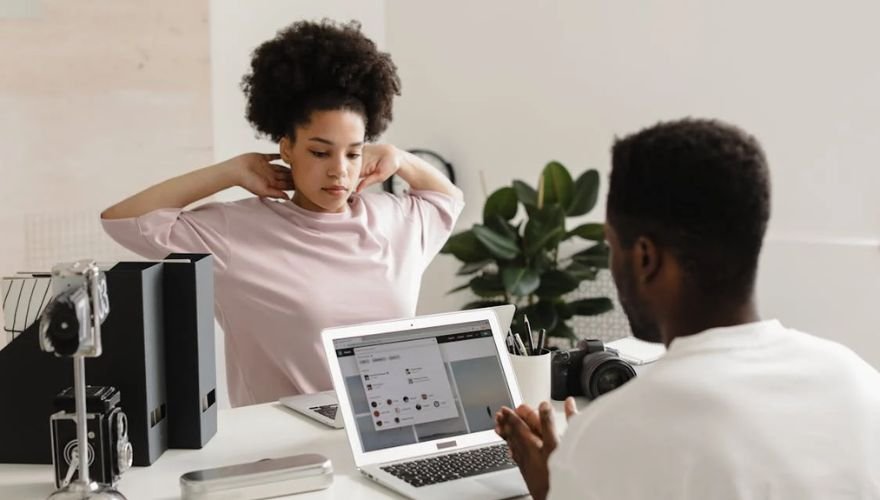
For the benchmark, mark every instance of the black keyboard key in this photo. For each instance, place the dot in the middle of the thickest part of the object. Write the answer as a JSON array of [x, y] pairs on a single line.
[[452, 466], [328, 411]]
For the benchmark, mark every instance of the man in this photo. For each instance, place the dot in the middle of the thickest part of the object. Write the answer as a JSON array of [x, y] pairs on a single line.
[[738, 408]]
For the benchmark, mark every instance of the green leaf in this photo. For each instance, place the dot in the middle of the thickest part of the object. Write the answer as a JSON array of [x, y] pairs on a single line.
[[591, 307], [520, 281], [479, 304], [525, 193], [487, 285], [472, 267], [586, 192], [562, 330], [544, 230], [563, 310], [466, 247], [546, 240], [547, 316], [558, 187], [502, 203], [581, 271], [590, 231], [501, 226], [543, 261], [499, 246], [555, 283], [541, 315], [595, 256], [459, 288]]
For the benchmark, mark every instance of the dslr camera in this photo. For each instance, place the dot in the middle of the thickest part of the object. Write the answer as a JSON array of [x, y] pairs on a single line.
[[588, 370], [109, 450]]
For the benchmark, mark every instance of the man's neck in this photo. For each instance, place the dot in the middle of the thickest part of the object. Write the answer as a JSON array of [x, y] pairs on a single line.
[[699, 316]]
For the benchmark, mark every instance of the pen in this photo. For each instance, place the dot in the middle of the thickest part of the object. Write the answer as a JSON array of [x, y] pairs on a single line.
[[522, 352], [541, 338], [520, 345], [531, 337]]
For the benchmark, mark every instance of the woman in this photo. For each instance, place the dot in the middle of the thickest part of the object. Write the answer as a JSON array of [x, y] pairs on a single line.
[[285, 268]]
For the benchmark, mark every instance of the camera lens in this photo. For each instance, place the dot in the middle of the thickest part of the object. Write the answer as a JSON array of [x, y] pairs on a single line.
[[63, 327], [609, 379], [603, 372]]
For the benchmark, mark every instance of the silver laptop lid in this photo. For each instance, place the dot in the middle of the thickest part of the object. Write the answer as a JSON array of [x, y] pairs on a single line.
[[413, 387], [505, 316]]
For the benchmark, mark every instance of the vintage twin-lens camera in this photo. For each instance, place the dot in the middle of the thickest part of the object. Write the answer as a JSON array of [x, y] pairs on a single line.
[[109, 450], [71, 327], [70, 324], [589, 370]]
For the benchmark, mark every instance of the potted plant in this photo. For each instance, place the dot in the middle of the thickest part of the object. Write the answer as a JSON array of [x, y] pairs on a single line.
[[513, 256]]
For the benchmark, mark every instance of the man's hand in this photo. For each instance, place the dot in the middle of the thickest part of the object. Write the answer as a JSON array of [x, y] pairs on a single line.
[[531, 437]]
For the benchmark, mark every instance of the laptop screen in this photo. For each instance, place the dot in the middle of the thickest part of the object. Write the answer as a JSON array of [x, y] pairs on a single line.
[[424, 384]]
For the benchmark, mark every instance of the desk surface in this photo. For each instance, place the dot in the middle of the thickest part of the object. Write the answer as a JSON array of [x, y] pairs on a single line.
[[245, 434]]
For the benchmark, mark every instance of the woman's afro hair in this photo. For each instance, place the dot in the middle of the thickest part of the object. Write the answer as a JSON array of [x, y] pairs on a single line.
[[319, 66]]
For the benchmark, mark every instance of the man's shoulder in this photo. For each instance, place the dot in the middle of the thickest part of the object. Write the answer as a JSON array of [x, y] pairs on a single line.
[[623, 409], [611, 412], [824, 349]]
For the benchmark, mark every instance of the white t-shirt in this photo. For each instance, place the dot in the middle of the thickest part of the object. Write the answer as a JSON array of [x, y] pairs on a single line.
[[755, 411]]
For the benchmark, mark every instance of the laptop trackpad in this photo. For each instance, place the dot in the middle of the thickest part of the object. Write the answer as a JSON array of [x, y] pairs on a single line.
[[504, 484]]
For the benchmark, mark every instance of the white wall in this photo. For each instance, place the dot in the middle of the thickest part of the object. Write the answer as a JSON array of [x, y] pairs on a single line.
[[98, 99], [503, 87]]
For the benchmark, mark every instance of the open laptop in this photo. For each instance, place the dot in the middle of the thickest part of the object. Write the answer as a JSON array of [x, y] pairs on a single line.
[[323, 407], [419, 396]]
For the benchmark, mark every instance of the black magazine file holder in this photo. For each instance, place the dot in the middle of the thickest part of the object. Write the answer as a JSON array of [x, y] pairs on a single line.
[[190, 350]]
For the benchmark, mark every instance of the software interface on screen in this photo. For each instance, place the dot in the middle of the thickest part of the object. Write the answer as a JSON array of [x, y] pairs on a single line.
[[419, 385]]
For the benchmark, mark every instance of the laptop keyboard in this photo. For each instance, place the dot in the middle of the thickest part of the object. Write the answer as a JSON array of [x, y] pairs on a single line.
[[328, 411], [453, 466]]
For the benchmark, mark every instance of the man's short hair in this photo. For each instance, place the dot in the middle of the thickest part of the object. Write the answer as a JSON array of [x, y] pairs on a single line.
[[699, 188]]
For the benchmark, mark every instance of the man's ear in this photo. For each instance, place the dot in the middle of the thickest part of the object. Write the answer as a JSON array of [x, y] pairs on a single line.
[[285, 147], [647, 259]]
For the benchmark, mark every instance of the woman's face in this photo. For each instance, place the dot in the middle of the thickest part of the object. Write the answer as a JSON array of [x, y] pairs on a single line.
[[326, 159]]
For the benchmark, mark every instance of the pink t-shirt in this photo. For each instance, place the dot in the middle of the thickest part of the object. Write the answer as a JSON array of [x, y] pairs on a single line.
[[283, 273]]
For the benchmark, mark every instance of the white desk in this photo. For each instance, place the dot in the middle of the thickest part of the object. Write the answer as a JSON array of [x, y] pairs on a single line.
[[244, 434]]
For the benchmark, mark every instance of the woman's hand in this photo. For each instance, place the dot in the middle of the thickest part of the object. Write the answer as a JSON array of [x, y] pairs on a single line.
[[381, 161], [256, 173]]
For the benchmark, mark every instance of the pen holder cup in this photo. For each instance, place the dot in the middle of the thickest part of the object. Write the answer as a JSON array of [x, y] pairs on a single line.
[[532, 376]]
